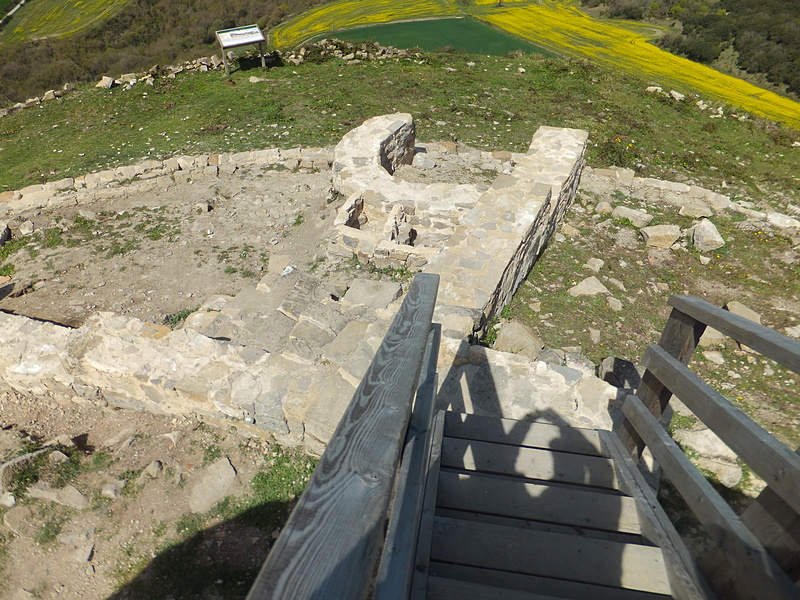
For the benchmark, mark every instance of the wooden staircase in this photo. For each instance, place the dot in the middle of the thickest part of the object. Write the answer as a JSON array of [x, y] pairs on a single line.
[[410, 503], [524, 506]]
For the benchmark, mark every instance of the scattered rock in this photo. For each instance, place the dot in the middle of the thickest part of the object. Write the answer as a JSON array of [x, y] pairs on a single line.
[[26, 228], [706, 237], [591, 286], [741, 310], [603, 208], [57, 457], [106, 82], [569, 230], [594, 264], [639, 218], [7, 500], [660, 236], [620, 373], [729, 474], [21, 520], [705, 442], [614, 304], [518, 338], [212, 485], [83, 553], [69, 495], [714, 357], [151, 471]]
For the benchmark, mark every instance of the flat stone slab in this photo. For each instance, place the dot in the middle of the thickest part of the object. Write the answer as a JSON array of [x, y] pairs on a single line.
[[212, 486], [372, 294]]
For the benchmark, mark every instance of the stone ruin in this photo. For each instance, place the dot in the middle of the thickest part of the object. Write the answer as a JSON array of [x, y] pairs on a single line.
[[284, 356]]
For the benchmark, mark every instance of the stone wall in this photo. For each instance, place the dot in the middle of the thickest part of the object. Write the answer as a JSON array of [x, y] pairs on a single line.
[[284, 357], [108, 183]]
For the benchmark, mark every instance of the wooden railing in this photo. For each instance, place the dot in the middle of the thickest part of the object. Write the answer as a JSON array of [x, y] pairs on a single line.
[[756, 555], [334, 545]]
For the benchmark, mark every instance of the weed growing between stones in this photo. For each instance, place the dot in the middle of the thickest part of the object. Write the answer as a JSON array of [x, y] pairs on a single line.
[[176, 319], [54, 520]]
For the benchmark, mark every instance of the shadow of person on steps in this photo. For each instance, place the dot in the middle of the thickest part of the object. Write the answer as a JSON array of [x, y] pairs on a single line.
[[530, 505]]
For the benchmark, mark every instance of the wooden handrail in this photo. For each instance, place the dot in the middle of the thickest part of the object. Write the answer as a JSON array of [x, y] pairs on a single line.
[[740, 554], [760, 338], [758, 570], [768, 457], [330, 547]]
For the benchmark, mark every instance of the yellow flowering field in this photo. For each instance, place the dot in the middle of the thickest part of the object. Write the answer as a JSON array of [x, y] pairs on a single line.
[[44, 18], [561, 27], [343, 14], [567, 30]]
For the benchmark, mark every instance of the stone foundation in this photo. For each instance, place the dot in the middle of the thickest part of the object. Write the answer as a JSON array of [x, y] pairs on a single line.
[[284, 357]]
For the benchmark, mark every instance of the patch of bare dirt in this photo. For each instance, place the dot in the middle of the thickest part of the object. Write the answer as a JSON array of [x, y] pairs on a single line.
[[148, 525], [160, 247]]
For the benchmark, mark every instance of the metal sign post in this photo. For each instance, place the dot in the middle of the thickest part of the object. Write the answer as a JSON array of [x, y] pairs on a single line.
[[240, 36]]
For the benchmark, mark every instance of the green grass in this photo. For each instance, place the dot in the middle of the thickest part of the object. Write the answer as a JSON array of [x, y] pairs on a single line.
[[467, 35], [489, 105], [44, 18]]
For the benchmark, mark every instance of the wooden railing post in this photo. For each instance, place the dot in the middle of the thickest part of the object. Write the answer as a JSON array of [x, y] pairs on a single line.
[[680, 338]]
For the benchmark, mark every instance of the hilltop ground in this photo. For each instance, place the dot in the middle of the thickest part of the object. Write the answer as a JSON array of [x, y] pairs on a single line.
[[313, 105]]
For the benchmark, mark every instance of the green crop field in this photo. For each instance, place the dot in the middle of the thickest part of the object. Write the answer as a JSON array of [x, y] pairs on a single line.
[[467, 35], [560, 27], [56, 18]]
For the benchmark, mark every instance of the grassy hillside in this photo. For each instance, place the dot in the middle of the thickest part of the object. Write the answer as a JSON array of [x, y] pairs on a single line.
[[559, 27], [487, 102], [57, 18]]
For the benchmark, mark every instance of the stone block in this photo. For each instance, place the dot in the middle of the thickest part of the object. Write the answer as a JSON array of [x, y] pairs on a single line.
[[660, 236], [331, 397], [520, 339], [639, 218]]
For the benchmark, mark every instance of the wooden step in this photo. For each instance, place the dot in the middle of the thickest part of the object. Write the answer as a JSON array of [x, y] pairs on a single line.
[[505, 582], [512, 497], [531, 434], [599, 534], [553, 555], [531, 463], [450, 589]]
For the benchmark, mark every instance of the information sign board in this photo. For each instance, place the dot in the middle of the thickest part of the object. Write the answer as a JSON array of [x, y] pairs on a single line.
[[240, 36]]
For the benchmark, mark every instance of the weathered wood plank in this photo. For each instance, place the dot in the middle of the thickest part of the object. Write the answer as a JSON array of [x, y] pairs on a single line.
[[679, 338], [397, 560], [767, 341], [449, 589], [769, 458], [512, 497], [533, 463], [686, 580], [777, 526], [550, 554], [523, 433], [599, 534], [758, 570], [419, 582], [560, 588], [331, 543]]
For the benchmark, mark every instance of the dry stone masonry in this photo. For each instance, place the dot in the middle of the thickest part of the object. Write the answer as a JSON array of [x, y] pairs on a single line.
[[284, 356]]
